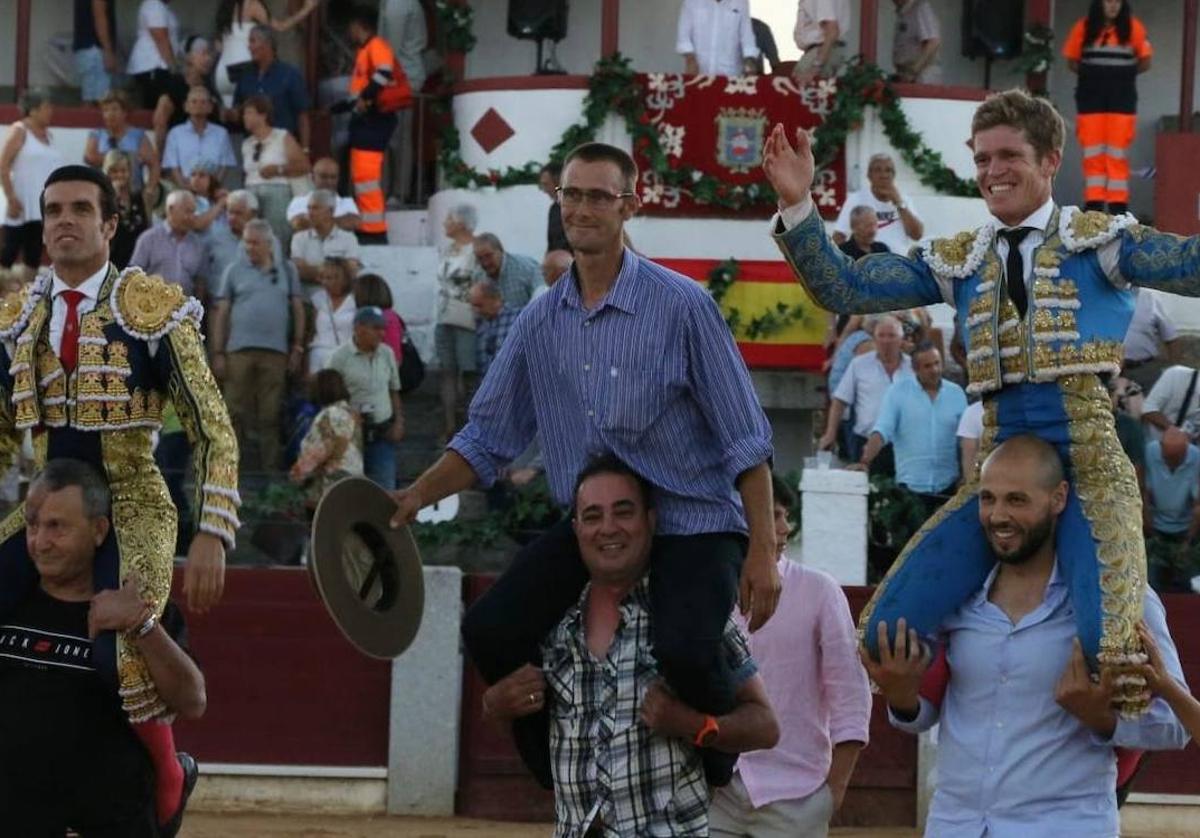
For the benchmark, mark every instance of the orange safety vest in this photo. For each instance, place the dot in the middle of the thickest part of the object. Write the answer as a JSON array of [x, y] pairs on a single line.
[[377, 63]]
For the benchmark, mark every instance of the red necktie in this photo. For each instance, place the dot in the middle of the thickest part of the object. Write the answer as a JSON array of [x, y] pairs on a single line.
[[68, 351]]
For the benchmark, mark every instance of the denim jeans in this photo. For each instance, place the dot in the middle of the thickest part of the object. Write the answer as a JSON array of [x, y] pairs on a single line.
[[379, 462]]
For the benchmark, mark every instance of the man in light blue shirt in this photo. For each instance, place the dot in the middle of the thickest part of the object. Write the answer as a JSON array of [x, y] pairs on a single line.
[[1169, 502], [1027, 737], [919, 417], [197, 140]]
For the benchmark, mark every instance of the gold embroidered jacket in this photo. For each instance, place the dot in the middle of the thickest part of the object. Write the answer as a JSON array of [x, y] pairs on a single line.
[[138, 347], [1080, 305]]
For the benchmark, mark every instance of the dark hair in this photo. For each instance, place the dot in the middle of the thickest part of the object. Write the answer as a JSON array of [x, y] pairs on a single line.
[[262, 104], [228, 11], [63, 473], [609, 463], [364, 17], [372, 290], [1096, 22], [73, 172], [328, 387], [925, 346], [784, 494], [604, 153], [554, 169]]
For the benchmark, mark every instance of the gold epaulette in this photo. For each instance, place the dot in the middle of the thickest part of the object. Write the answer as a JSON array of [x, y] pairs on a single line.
[[149, 307]]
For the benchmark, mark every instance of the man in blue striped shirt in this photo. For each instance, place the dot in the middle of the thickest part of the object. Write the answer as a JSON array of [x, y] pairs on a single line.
[[625, 357]]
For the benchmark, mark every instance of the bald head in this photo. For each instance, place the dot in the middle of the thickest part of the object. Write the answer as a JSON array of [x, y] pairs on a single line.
[[555, 264], [1032, 456], [1174, 446]]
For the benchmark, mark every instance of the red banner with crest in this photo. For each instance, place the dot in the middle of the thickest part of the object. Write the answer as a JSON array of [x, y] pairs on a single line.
[[715, 126]]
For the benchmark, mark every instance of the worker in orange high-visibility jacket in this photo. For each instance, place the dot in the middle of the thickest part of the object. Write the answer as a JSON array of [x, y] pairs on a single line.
[[382, 90], [1108, 49]]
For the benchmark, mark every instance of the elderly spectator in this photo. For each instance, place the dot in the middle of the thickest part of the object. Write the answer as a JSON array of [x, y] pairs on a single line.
[[821, 29], [898, 222], [548, 179], [236, 19], [919, 419], [118, 133], [807, 655], [1174, 401], [225, 237], [371, 290], [970, 429], [173, 249], [916, 42], [373, 379], [402, 25], [1171, 512], [135, 207], [95, 46], [270, 156], [278, 81], [332, 447], [864, 225], [518, 276], [715, 38], [1151, 343], [324, 239], [197, 140], [554, 264], [250, 347], [863, 386], [171, 109], [26, 160], [454, 334], [153, 53], [333, 311], [210, 197], [324, 176], [495, 317]]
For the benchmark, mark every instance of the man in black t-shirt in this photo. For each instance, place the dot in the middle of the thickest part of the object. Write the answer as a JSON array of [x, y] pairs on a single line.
[[68, 756], [864, 225]]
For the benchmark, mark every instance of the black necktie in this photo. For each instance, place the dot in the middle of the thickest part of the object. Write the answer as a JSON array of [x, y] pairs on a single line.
[[1014, 267]]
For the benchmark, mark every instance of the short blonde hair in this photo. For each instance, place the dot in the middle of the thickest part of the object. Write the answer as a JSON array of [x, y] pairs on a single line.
[[1042, 125]]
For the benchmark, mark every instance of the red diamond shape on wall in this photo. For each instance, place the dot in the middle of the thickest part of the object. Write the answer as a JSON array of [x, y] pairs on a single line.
[[491, 131]]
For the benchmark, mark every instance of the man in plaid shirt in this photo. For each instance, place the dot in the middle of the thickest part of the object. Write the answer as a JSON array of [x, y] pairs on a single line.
[[623, 748]]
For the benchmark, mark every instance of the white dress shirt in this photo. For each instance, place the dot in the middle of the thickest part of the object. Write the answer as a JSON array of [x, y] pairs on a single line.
[[90, 288], [718, 33]]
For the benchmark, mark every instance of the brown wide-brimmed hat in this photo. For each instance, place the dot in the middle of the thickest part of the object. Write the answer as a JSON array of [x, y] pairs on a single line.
[[368, 574]]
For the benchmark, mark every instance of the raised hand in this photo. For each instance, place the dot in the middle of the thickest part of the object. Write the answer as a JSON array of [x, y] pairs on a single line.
[[789, 169]]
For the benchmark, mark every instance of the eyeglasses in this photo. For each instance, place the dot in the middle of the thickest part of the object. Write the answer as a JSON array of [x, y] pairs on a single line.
[[258, 149], [595, 198]]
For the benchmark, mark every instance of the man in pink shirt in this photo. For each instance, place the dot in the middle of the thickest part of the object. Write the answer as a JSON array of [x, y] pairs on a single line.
[[808, 657]]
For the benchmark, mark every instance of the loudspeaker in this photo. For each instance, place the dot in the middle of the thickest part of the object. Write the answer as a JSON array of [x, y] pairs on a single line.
[[537, 20], [993, 28]]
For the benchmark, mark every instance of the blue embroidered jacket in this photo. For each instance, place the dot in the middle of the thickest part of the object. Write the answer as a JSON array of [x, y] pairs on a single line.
[[1080, 301]]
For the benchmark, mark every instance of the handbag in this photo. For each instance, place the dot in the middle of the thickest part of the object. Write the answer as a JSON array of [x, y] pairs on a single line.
[[412, 366]]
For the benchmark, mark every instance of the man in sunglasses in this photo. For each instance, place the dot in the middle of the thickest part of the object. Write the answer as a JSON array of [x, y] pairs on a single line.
[[644, 367]]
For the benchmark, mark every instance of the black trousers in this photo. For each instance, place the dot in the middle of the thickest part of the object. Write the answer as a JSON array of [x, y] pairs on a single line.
[[693, 589], [25, 242]]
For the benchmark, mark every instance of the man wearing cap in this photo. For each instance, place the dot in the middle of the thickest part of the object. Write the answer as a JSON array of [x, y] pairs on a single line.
[[251, 353], [368, 366]]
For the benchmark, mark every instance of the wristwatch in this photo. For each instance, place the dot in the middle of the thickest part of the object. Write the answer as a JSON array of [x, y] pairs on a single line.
[[707, 732]]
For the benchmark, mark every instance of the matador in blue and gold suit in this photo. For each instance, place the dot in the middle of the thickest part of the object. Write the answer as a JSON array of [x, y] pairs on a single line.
[[1043, 374], [139, 347]]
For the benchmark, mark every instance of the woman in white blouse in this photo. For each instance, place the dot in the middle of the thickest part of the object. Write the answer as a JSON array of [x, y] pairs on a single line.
[[270, 156], [152, 58], [333, 312]]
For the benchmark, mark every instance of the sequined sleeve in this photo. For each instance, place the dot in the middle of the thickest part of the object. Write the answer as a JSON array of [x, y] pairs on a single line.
[[205, 419], [10, 437], [879, 282], [1163, 261]]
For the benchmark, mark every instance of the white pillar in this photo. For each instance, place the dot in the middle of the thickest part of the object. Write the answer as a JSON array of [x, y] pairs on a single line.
[[426, 695], [834, 523]]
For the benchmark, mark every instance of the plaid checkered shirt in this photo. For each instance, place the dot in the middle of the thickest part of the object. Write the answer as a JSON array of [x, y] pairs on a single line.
[[608, 766]]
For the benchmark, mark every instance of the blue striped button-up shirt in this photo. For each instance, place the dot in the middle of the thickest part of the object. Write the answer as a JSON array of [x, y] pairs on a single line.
[[650, 374]]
